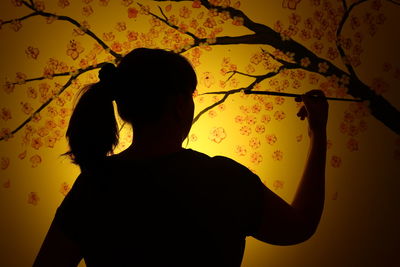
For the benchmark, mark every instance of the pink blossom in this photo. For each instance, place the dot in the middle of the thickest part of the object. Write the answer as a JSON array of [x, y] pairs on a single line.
[[217, 134], [33, 198], [290, 4]]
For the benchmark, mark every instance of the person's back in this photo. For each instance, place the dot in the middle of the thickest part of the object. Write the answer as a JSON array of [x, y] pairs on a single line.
[[183, 209], [157, 204]]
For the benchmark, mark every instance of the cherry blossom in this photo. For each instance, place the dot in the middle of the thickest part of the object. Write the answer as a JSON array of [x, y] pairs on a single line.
[[260, 128], [323, 67], [212, 113], [33, 198], [352, 145], [4, 162], [245, 130], [185, 12], [278, 184], [265, 118], [6, 134], [132, 12], [251, 120], [35, 160], [217, 134], [16, 25], [26, 108], [39, 5], [74, 48], [5, 114], [268, 106], [336, 161], [32, 52], [208, 79], [104, 2], [17, 3], [237, 21], [279, 115], [193, 137], [20, 78], [87, 10], [63, 3], [290, 4], [196, 4], [22, 155], [271, 139], [241, 150], [277, 155], [7, 183], [126, 2], [254, 143], [42, 131], [64, 189], [256, 157], [379, 85]]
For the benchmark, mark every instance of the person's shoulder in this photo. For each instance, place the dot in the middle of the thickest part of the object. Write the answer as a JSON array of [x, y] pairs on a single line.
[[231, 164], [223, 164]]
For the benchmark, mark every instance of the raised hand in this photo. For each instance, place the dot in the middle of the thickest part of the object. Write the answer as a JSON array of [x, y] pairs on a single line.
[[315, 109]]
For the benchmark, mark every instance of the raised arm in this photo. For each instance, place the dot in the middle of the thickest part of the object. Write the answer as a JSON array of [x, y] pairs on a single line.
[[287, 224]]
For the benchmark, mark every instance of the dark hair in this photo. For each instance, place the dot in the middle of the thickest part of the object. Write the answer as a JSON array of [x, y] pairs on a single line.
[[140, 85]]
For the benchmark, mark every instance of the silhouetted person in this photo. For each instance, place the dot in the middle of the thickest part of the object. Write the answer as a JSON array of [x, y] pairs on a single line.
[[156, 203]]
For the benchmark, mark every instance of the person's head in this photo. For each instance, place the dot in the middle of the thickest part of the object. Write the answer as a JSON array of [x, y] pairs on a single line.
[[149, 86]]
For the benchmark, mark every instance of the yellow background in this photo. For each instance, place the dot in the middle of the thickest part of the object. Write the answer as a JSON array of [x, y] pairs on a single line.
[[360, 223]]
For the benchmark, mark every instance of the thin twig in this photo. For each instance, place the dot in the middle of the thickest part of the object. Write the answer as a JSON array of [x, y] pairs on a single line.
[[21, 18], [166, 21], [338, 37], [45, 104], [77, 24]]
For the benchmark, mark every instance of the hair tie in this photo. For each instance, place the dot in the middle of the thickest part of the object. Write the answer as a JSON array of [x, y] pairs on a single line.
[[108, 73], [108, 77]]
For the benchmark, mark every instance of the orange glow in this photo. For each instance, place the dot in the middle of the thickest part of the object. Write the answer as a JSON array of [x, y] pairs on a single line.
[[360, 222]]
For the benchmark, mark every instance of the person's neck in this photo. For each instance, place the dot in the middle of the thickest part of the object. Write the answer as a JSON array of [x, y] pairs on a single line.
[[152, 143]]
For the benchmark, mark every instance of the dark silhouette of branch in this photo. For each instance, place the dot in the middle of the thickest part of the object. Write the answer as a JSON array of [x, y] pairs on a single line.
[[257, 80], [344, 5], [339, 33], [77, 24], [21, 18], [263, 35], [167, 22], [394, 2], [45, 77], [222, 100], [45, 104], [380, 108]]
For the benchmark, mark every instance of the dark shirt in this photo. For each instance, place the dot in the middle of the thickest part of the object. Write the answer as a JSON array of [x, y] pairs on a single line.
[[182, 209]]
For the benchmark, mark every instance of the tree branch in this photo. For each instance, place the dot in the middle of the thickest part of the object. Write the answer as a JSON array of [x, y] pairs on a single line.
[[344, 5], [45, 104], [394, 2], [45, 77], [257, 80], [77, 24], [264, 35], [167, 22], [20, 19], [222, 100], [339, 37]]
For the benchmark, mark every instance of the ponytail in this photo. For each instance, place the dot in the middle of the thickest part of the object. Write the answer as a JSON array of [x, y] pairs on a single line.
[[92, 131]]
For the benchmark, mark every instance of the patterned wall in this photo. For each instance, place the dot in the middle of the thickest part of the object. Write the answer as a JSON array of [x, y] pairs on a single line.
[[348, 49]]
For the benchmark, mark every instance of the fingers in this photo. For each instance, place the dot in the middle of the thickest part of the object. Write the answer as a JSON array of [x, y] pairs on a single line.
[[313, 95], [315, 92], [302, 114]]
